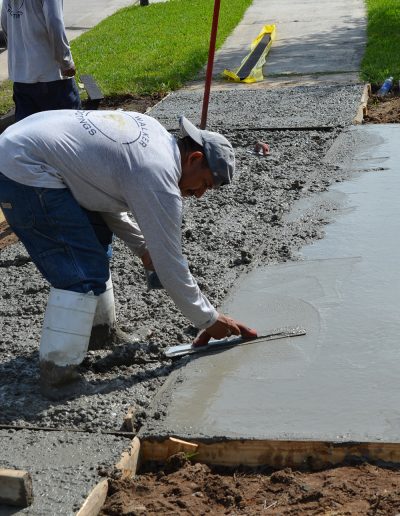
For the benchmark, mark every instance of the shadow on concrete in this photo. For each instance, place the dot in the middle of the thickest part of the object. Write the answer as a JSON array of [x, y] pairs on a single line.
[[338, 50], [22, 402]]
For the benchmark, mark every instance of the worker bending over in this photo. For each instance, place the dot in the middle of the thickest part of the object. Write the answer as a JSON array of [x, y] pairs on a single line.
[[55, 165]]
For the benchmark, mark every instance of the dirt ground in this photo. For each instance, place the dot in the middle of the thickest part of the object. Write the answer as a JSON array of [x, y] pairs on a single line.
[[182, 487], [7, 237], [384, 110]]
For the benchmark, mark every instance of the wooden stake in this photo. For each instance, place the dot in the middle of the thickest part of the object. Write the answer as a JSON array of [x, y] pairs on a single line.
[[128, 463], [95, 501], [15, 488]]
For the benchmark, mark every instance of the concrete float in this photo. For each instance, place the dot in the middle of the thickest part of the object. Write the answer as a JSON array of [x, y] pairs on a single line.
[[327, 397]]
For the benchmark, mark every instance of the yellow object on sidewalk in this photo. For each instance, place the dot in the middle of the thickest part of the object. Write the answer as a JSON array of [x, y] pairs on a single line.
[[250, 69], [2, 218]]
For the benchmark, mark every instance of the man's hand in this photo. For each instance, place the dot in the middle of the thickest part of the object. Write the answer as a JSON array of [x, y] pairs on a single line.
[[69, 72], [146, 260], [224, 326]]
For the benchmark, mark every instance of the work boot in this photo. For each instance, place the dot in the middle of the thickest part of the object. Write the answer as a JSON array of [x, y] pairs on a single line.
[[57, 382], [105, 332], [64, 343]]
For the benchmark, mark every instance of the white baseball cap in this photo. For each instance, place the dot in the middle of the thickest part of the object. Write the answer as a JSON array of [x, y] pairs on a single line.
[[218, 150]]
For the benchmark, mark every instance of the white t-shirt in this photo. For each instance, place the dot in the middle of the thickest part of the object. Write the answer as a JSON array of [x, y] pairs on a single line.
[[113, 162], [38, 49]]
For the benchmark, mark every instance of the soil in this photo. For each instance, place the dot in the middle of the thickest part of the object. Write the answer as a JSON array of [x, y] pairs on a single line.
[[7, 237], [383, 110], [138, 103], [181, 487]]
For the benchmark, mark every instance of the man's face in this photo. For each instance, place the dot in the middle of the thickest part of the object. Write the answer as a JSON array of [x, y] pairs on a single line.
[[196, 179]]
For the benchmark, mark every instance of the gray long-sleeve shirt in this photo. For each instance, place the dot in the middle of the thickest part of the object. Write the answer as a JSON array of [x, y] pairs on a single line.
[[38, 49], [113, 162]]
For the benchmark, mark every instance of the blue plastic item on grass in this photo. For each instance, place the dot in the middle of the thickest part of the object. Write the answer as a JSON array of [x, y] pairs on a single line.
[[386, 87]]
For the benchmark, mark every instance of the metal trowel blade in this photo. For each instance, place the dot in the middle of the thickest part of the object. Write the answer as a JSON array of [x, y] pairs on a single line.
[[214, 345]]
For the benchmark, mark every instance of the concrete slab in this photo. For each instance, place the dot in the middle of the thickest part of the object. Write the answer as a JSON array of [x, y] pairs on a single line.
[[340, 382], [299, 107], [313, 36], [64, 466]]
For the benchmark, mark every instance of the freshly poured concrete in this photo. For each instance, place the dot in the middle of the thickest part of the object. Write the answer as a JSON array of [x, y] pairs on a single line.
[[340, 382], [64, 466]]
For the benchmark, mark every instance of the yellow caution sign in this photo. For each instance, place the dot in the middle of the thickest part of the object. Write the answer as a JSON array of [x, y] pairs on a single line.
[[250, 69]]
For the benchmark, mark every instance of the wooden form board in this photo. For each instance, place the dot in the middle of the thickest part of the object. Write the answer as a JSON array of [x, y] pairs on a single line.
[[15, 488], [2, 219], [95, 501], [127, 464], [363, 107], [313, 455]]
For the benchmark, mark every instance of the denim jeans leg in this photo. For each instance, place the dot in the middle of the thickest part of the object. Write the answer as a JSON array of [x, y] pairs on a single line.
[[103, 232], [57, 235]]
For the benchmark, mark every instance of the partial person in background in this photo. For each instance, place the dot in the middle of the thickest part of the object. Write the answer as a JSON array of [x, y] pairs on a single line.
[[39, 57], [41, 65]]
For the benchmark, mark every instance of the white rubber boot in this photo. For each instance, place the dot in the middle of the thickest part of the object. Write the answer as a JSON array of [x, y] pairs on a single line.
[[105, 332], [65, 337], [105, 310]]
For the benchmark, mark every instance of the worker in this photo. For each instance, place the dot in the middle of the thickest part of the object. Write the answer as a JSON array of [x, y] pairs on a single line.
[[39, 57], [55, 165], [41, 66]]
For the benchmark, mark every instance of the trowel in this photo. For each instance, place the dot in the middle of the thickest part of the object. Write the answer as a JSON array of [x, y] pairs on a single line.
[[229, 342]]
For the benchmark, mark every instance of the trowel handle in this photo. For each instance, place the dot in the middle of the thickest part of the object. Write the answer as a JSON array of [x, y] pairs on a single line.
[[245, 332]]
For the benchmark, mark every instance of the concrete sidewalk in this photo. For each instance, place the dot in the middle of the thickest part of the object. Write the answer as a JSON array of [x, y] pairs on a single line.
[[321, 40], [340, 382], [317, 41]]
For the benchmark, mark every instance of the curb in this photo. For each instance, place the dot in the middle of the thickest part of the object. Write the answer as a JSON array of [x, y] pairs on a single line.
[[363, 107]]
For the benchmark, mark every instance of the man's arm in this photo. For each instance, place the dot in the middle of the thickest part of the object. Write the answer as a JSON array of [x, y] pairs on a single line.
[[127, 230], [159, 216], [53, 13]]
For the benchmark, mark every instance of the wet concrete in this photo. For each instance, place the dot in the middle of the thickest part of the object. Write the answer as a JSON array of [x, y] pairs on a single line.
[[299, 107], [64, 466], [224, 235], [340, 382]]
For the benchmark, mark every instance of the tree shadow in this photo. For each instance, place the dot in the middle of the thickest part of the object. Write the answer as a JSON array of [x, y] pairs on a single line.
[[337, 49]]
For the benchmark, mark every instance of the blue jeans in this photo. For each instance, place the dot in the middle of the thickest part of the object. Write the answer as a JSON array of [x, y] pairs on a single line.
[[58, 236], [45, 96]]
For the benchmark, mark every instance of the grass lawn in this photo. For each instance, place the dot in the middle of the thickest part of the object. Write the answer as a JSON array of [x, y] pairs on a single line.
[[147, 50], [382, 56], [153, 49]]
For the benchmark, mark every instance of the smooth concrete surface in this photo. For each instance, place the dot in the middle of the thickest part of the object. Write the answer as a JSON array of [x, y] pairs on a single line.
[[313, 36], [64, 466], [340, 382]]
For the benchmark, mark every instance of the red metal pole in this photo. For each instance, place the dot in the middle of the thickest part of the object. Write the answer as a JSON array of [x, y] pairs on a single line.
[[210, 64]]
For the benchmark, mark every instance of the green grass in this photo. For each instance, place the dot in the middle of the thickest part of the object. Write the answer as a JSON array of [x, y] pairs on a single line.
[[6, 102], [147, 50], [154, 49], [382, 56]]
